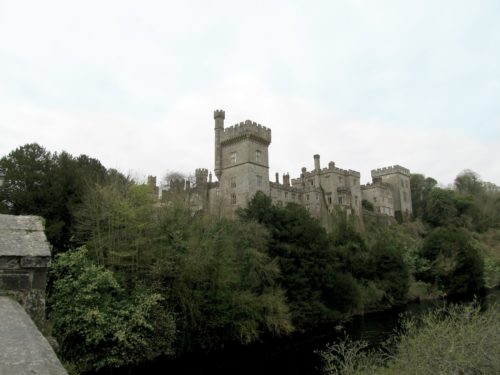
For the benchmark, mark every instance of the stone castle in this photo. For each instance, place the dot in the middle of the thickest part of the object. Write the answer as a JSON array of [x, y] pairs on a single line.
[[242, 169]]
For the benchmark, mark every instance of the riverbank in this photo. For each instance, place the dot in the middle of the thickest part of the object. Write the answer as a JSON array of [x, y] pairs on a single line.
[[296, 354]]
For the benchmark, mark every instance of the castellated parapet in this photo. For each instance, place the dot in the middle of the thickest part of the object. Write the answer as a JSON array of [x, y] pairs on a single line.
[[219, 113], [201, 175], [390, 170], [247, 129]]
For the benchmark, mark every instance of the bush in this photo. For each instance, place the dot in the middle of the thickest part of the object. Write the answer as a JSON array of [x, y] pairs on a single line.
[[98, 323], [456, 265], [460, 339]]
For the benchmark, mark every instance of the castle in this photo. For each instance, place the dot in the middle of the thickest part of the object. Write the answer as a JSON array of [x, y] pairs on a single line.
[[242, 169]]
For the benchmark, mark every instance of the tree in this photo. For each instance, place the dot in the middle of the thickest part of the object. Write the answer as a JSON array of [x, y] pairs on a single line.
[[99, 323], [440, 209], [316, 289], [421, 187], [49, 185], [456, 265]]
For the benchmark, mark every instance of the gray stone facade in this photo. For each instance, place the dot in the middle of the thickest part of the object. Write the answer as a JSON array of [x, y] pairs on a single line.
[[242, 169], [23, 349], [24, 262]]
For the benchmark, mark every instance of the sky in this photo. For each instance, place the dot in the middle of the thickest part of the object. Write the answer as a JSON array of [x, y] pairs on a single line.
[[363, 83]]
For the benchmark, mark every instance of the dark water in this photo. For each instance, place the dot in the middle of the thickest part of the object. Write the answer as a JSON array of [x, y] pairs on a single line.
[[294, 355]]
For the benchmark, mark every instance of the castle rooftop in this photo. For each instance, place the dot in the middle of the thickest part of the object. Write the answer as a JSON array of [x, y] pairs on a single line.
[[390, 170], [247, 129]]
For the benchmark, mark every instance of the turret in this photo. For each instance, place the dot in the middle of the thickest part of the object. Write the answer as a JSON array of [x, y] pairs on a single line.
[[219, 116], [317, 170]]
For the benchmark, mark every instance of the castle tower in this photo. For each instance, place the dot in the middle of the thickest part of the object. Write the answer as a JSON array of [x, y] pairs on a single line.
[[398, 178], [219, 116], [243, 161]]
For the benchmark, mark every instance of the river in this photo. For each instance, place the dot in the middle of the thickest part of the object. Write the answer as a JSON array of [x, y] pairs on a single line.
[[294, 355]]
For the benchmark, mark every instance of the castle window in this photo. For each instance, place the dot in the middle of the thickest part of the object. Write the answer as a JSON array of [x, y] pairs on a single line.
[[307, 197], [329, 198], [233, 182], [293, 195], [374, 199], [311, 182], [257, 155], [354, 181], [233, 198], [341, 200], [259, 180], [402, 183], [234, 157], [317, 196], [340, 179], [356, 200], [217, 192]]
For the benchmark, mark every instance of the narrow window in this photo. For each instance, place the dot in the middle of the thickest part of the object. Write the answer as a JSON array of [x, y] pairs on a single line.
[[233, 182], [234, 157], [259, 181], [233, 198], [341, 201], [307, 197], [257, 155]]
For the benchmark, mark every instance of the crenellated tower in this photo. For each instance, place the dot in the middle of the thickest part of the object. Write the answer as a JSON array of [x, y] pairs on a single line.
[[219, 116], [242, 160], [398, 179]]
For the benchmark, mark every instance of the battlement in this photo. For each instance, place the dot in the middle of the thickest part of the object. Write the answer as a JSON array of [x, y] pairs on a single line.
[[201, 172], [375, 185], [247, 129], [344, 172], [219, 113], [390, 170], [278, 186]]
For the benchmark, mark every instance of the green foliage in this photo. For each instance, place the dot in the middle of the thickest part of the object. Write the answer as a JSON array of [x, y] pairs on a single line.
[[221, 280], [453, 340], [316, 289], [116, 221], [456, 265], [420, 190], [49, 185], [440, 209], [367, 205], [100, 324]]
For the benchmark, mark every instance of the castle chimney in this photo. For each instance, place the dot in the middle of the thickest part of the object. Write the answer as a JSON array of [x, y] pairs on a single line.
[[331, 165], [316, 162], [219, 116], [286, 179], [277, 178]]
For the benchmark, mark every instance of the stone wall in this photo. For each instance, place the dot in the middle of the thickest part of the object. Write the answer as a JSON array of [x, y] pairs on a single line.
[[24, 262]]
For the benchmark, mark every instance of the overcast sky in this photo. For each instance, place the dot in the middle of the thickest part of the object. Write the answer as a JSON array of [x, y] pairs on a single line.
[[363, 83]]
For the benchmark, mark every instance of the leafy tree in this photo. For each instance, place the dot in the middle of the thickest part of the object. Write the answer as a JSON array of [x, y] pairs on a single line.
[[456, 265], [49, 185], [316, 289], [367, 205], [421, 187], [440, 208], [218, 276], [99, 323]]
